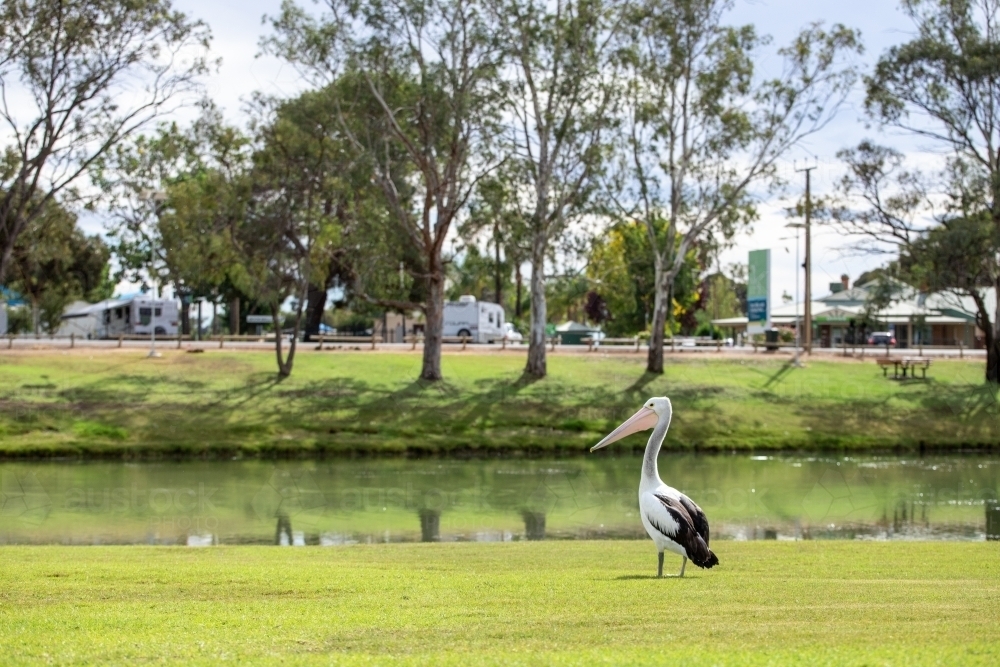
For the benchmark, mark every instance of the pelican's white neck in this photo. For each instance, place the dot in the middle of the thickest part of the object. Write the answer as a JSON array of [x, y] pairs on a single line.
[[650, 473]]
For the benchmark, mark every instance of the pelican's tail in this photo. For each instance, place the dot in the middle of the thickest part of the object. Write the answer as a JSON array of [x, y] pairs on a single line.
[[709, 562]]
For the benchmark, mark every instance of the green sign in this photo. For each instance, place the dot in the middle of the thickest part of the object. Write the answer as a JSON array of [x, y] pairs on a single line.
[[759, 291]]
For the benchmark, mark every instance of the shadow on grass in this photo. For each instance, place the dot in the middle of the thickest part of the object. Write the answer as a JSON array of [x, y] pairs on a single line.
[[129, 389], [780, 375], [641, 382], [961, 414], [509, 407], [514, 410]]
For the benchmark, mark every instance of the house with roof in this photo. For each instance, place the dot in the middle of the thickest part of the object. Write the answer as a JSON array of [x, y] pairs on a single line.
[[844, 316]]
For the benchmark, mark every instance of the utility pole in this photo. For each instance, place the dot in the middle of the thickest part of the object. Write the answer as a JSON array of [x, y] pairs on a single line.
[[798, 325], [807, 324]]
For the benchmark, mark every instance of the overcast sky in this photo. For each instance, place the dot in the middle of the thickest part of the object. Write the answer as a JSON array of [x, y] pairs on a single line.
[[237, 28]]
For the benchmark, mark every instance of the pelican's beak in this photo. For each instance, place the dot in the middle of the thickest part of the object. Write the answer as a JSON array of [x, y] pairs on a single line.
[[643, 420]]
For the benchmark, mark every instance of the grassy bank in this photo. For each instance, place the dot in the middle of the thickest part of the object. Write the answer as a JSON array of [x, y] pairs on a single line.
[[565, 603], [118, 403]]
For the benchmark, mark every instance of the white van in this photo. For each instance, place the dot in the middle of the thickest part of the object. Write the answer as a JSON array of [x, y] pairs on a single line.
[[480, 322]]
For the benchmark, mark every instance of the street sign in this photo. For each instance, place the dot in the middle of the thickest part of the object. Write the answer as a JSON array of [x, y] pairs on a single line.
[[759, 291], [259, 319]]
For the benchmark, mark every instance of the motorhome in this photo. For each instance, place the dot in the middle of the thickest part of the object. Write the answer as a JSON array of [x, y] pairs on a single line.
[[480, 322], [135, 316]]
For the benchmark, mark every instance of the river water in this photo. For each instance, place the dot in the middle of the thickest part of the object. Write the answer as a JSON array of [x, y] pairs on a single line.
[[334, 502]]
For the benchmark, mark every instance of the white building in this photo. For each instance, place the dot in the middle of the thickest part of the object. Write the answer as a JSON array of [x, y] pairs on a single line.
[[940, 318]]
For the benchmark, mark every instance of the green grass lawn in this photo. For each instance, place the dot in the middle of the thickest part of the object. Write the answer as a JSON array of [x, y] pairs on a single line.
[[564, 603], [119, 403]]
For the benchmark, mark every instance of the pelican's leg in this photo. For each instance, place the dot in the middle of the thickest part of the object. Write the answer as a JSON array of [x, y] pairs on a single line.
[[683, 565], [659, 567]]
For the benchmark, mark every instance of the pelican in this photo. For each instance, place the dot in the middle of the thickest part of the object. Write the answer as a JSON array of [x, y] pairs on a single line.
[[671, 519]]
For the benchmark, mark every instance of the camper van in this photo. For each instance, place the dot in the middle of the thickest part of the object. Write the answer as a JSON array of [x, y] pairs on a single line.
[[133, 316], [480, 322]]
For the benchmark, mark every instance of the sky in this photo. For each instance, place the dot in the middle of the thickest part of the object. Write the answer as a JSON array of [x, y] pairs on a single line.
[[237, 28]]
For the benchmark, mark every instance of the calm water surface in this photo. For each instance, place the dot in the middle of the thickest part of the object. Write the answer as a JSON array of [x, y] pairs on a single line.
[[345, 502]]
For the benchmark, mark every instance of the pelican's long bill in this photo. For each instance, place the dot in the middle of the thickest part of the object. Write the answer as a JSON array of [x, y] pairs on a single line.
[[643, 420]]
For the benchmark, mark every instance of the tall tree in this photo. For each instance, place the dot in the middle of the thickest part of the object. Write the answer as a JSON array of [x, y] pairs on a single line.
[[954, 248], [944, 86], [432, 69], [176, 197], [497, 217], [302, 184], [76, 78], [621, 270], [561, 108], [54, 262], [702, 131]]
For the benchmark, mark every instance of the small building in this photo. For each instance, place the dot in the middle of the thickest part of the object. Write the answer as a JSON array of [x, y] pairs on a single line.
[[395, 327], [132, 316], [573, 333]]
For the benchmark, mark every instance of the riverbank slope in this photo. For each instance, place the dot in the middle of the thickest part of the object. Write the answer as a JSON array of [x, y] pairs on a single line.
[[118, 403]]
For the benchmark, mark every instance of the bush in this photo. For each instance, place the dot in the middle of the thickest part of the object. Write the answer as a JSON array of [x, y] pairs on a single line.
[[708, 330], [19, 320]]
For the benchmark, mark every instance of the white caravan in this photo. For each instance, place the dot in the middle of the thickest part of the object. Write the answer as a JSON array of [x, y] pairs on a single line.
[[481, 322], [134, 316]]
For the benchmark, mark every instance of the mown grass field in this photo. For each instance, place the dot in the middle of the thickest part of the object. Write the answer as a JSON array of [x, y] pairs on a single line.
[[225, 403], [525, 603]]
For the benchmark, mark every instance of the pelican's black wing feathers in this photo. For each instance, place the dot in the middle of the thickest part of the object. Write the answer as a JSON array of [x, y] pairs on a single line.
[[698, 518], [688, 534]]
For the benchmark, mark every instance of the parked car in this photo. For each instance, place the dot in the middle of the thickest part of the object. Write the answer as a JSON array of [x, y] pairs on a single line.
[[882, 338]]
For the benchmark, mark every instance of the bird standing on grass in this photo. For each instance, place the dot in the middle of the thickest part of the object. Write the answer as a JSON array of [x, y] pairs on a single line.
[[673, 520]]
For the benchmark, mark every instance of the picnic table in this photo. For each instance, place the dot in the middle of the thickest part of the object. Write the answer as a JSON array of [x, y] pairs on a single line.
[[906, 365]]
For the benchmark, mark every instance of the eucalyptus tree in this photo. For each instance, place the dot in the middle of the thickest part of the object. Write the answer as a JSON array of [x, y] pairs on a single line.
[[431, 74], [702, 130], [304, 182], [942, 86], [953, 247], [54, 262], [175, 198], [497, 216], [76, 78], [560, 103]]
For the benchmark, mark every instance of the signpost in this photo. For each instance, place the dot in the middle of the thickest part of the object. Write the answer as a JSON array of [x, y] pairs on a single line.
[[259, 320], [759, 292]]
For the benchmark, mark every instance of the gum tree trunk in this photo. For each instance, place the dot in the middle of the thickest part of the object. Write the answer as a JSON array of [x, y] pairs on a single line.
[[234, 316], [431, 369], [285, 364], [654, 359], [517, 297], [993, 360], [992, 334], [536, 346], [316, 305], [497, 275]]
